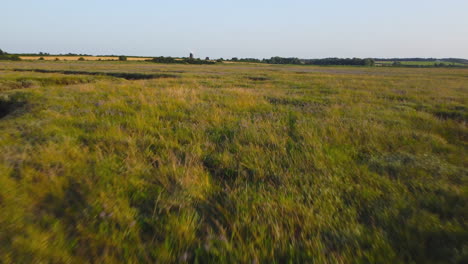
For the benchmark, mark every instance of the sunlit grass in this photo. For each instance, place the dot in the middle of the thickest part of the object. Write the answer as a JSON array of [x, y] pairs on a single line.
[[233, 163]]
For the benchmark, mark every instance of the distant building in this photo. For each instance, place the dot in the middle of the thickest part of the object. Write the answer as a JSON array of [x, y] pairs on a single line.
[[191, 56]]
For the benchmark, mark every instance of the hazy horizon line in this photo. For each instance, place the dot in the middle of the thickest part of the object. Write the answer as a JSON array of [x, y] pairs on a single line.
[[246, 57]]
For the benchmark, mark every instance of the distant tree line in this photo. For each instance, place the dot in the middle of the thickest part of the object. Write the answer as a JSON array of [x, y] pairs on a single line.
[[319, 62], [452, 60], [396, 62], [171, 60], [6, 56], [161, 59], [297, 61], [406, 59], [436, 65], [455, 60], [253, 60], [338, 61], [281, 60], [45, 54], [355, 61]]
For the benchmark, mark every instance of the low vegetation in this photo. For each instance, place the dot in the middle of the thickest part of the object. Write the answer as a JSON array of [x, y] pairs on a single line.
[[6, 56], [232, 163]]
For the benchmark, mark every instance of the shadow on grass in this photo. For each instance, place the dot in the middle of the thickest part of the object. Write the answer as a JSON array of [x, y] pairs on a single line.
[[124, 75], [258, 78], [10, 104]]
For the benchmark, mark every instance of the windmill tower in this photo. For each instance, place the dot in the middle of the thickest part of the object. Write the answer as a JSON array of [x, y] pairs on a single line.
[[191, 56]]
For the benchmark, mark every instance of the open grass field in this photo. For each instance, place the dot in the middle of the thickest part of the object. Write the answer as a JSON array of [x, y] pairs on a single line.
[[233, 163]]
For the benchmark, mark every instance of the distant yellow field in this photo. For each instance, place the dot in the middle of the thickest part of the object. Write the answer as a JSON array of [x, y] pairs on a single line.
[[74, 58]]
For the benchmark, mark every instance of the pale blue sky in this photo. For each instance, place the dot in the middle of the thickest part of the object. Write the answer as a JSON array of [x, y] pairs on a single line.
[[242, 28]]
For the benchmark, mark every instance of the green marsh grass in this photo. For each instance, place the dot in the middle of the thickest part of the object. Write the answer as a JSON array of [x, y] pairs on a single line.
[[233, 163]]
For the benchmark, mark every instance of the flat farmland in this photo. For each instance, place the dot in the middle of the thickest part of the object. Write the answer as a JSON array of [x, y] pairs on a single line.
[[233, 163]]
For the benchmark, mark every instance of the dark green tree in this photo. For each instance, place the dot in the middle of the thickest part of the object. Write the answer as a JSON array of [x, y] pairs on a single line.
[[369, 62]]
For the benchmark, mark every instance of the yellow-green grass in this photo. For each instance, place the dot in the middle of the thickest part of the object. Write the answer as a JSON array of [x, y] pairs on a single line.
[[233, 163]]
